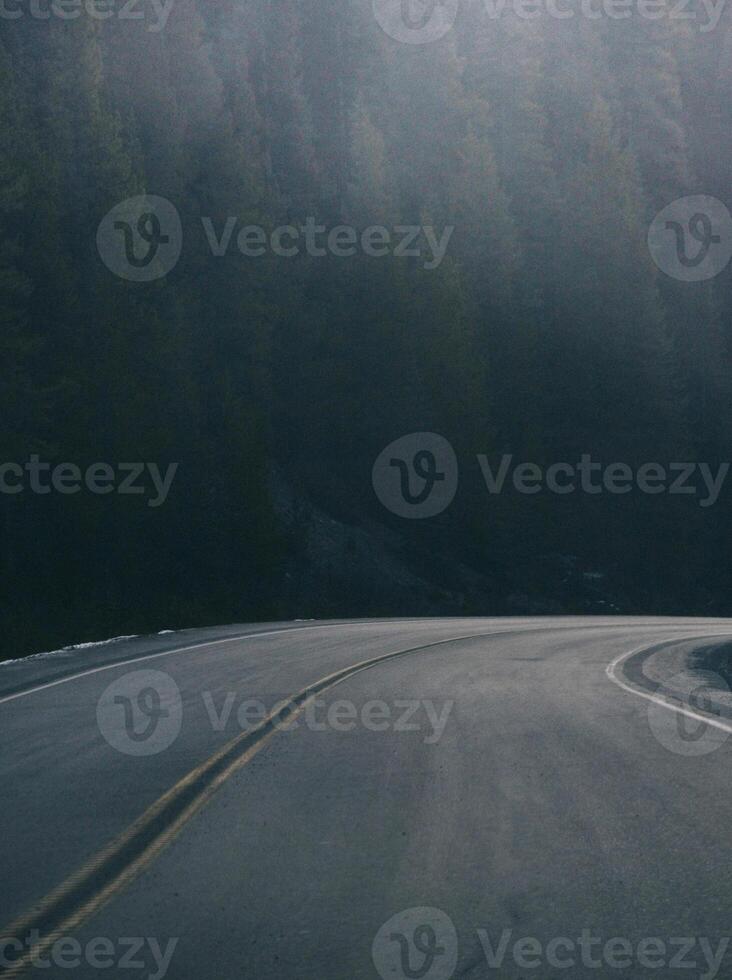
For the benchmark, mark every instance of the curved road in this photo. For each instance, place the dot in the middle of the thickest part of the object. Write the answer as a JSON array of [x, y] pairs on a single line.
[[451, 797]]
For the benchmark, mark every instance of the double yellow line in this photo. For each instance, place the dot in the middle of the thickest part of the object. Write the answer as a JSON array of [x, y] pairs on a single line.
[[114, 867]]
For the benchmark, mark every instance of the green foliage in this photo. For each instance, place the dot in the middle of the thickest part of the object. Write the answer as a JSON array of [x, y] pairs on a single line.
[[545, 331]]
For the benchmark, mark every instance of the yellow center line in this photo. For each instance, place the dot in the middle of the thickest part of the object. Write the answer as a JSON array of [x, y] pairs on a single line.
[[61, 912]]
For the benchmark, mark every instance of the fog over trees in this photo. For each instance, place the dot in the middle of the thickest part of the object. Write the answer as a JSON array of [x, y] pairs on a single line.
[[545, 331]]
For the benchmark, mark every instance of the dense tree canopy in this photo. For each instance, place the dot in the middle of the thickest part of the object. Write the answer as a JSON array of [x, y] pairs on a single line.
[[274, 381]]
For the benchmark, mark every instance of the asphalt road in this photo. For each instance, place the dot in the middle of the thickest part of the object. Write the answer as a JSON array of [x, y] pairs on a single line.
[[488, 804]]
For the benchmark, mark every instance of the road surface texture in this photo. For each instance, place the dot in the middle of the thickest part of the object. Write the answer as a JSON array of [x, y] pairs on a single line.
[[437, 798]]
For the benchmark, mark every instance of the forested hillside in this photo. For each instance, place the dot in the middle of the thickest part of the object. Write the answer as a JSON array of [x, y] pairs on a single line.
[[274, 381]]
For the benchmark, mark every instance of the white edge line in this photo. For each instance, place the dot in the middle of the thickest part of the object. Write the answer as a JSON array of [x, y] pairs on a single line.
[[611, 671], [206, 643], [168, 653]]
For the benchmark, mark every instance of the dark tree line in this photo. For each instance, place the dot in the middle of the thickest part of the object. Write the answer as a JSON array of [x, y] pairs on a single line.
[[546, 332]]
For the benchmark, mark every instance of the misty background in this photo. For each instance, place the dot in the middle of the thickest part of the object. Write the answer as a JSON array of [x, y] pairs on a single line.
[[547, 331]]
